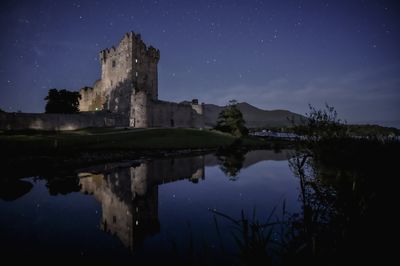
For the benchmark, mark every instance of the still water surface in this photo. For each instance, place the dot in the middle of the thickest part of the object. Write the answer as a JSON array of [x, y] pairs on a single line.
[[147, 210]]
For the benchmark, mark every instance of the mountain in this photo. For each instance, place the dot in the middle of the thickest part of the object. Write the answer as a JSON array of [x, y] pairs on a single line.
[[253, 116]]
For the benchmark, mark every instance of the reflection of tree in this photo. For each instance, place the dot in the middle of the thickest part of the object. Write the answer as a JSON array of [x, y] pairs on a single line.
[[317, 208], [342, 194], [63, 184], [13, 189], [231, 160]]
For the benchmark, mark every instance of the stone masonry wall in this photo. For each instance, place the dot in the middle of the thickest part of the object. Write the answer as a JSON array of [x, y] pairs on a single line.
[[24, 121], [168, 114]]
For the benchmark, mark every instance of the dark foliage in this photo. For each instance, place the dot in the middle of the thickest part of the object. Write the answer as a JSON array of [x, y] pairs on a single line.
[[231, 159], [62, 184], [322, 124], [12, 189], [62, 101], [372, 131], [347, 198], [231, 120], [346, 193]]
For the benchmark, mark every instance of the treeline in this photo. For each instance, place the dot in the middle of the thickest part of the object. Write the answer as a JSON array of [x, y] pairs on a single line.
[[353, 130]]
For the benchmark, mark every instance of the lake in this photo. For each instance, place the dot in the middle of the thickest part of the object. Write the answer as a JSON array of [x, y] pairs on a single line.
[[147, 210]]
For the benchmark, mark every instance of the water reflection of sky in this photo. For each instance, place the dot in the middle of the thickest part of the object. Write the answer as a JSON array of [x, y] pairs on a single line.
[[40, 224], [262, 186], [71, 224]]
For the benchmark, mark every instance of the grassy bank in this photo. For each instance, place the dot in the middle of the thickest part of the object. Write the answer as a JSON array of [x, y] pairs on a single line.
[[92, 140], [39, 151], [72, 143]]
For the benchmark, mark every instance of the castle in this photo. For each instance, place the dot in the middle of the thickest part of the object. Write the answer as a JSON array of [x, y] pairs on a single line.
[[127, 96], [129, 87]]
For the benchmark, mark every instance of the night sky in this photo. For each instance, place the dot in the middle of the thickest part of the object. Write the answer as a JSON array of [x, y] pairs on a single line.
[[272, 54]]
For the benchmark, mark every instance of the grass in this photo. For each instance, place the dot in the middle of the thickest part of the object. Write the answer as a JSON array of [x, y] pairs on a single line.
[[106, 139], [252, 237]]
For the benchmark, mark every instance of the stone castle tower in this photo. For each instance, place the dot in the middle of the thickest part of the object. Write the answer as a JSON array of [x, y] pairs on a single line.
[[129, 87], [128, 79]]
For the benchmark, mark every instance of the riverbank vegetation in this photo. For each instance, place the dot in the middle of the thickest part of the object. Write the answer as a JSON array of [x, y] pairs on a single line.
[[322, 122], [346, 196]]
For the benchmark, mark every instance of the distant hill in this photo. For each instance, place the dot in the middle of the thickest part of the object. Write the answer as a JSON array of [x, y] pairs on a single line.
[[253, 116]]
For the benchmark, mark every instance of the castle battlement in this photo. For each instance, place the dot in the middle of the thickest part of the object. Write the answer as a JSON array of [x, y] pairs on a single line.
[[133, 40]]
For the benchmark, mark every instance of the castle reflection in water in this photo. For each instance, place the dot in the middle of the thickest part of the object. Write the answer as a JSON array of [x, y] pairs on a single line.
[[128, 192], [129, 195]]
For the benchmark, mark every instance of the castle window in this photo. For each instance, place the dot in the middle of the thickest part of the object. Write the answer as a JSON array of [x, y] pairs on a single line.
[[113, 63], [136, 73], [136, 60], [111, 82], [114, 219]]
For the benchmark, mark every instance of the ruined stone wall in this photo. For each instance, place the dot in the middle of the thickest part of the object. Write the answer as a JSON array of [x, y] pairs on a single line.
[[23, 121], [141, 110], [198, 114], [86, 98], [92, 98], [169, 114]]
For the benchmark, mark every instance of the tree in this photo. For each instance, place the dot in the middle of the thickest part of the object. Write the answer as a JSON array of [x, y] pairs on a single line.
[[322, 124], [2, 111], [231, 120], [62, 101]]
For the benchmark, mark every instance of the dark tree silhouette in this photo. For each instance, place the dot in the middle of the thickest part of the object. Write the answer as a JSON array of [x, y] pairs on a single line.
[[231, 160], [346, 197], [63, 185], [62, 101], [11, 189], [231, 120], [322, 124]]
